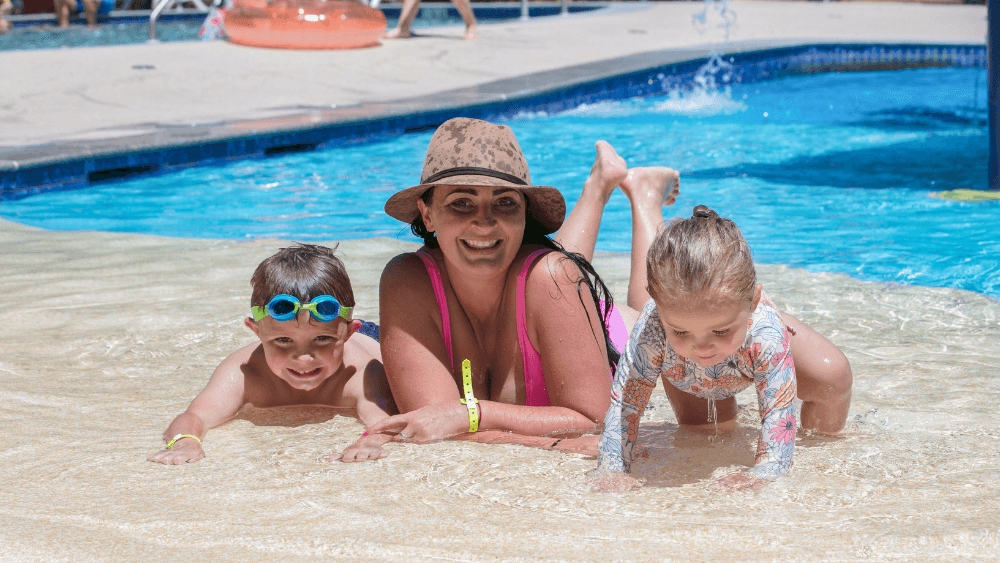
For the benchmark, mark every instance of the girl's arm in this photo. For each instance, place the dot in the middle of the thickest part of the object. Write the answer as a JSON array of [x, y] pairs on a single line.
[[218, 402], [774, 373], [635, 380]]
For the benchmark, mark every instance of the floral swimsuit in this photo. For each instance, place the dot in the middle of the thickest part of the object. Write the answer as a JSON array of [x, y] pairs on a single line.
[[764, 360]]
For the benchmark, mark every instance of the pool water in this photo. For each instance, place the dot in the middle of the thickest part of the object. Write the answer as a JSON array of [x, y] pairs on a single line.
[[831, 172]]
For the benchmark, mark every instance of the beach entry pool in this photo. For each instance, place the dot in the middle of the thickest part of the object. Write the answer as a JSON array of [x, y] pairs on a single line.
[[108, 334], [830, 172]]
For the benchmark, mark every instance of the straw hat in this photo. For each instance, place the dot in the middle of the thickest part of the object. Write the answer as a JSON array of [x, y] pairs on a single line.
[[470, 152]]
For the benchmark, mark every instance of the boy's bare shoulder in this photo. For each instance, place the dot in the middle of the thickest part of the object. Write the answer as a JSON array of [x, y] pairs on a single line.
[[360, 350]]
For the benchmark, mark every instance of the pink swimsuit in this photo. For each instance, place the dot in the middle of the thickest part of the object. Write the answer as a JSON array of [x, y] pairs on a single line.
[[536, 395]]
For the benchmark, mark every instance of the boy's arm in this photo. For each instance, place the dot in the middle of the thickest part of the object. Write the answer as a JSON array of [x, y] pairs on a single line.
[[372, 402], [218, 402]]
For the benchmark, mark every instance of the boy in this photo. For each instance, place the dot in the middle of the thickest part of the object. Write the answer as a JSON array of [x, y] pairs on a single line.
[[308, 354]]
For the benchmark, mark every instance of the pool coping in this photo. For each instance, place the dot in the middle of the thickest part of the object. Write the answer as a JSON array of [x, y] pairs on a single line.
[[30, 169]]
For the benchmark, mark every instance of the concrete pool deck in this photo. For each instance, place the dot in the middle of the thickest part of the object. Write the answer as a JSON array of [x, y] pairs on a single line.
[[55, 100]]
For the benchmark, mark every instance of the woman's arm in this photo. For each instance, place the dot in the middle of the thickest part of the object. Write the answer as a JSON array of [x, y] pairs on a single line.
[[566, 327], [416, 360]]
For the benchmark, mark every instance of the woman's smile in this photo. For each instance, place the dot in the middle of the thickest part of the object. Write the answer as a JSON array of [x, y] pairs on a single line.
[[481, 244]]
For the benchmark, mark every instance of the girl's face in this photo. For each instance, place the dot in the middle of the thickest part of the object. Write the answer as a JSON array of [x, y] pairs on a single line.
[[707, 330], [479, 229]]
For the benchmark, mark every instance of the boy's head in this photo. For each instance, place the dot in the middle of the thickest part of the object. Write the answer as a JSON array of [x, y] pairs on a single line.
[[304, 271], [302, 350]]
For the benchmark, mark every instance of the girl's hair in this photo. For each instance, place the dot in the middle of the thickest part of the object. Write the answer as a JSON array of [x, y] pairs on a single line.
[[304, 271], [534, 233], [702, 254]]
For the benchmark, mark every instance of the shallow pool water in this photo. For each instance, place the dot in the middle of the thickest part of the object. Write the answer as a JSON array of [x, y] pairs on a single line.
[[832, 173]]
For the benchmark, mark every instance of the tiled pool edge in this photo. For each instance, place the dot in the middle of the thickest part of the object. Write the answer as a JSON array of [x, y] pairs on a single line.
[[72, 164]]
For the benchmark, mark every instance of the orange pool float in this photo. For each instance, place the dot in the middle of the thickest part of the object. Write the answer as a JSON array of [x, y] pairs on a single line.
[[304, 24]]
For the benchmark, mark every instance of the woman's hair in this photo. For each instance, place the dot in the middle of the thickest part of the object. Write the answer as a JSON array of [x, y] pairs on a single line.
[[702, 254], [304, 271], [534, 233]]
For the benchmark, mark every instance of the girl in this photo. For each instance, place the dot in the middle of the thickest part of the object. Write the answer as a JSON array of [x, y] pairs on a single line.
[[710, 332]]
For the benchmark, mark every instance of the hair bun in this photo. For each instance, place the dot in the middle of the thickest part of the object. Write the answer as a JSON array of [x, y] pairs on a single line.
[[702, 211]]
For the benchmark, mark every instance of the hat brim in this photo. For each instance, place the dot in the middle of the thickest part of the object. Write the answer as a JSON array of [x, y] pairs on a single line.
[[545, 203]]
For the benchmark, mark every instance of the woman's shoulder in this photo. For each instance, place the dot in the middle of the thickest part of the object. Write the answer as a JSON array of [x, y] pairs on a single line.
[[407, 271]]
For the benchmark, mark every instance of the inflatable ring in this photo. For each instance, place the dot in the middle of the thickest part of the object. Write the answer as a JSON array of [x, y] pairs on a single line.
[[304, 24]]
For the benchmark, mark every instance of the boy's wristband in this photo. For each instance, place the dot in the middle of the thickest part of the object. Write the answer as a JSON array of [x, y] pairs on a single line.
[[470, 400], [170, 444]]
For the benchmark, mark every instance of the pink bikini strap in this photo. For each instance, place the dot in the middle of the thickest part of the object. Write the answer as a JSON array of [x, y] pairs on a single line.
[[442, 300], [535, 393]]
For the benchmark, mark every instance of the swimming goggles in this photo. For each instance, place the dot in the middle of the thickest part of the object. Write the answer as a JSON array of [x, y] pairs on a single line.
[[323, 308]]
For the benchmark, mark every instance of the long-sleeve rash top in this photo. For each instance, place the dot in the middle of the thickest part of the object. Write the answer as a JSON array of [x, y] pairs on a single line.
[[764, 360]]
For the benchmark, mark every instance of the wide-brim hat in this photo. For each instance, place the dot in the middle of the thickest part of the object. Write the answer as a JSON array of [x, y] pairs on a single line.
[[471, 152]]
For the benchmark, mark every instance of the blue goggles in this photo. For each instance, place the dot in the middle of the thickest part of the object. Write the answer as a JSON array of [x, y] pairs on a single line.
[[323, 308]]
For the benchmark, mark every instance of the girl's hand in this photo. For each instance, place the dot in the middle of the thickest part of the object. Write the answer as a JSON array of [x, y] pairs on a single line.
[[426, 424], [604, 481], [367, 448], [184, 451], [741, 481]]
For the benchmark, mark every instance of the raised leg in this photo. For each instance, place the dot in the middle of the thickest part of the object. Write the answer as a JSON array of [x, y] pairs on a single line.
[[579, 231], [648, 191], [406, 16], [823, 376]]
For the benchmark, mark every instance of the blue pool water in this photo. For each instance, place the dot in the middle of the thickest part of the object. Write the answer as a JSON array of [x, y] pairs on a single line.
[[831, 172]]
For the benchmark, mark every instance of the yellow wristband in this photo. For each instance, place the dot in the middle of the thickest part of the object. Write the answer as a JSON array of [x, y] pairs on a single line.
[[170, 444], [470, 399]]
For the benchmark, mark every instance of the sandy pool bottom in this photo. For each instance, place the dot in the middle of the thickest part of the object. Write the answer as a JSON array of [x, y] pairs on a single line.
[[105, 337]]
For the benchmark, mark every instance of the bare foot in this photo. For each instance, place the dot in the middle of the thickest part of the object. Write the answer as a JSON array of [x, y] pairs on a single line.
[[396, 33], [652, 186], [608, 171], [470, 33]]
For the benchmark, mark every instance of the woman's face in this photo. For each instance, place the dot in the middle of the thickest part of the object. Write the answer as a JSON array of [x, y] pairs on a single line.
[[479, 229]]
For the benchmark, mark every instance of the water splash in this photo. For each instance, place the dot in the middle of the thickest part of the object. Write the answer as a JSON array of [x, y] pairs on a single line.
[[717, 73]]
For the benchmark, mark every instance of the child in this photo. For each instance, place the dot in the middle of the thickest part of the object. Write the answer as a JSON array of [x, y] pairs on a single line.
[[301, 304], [710, 332]]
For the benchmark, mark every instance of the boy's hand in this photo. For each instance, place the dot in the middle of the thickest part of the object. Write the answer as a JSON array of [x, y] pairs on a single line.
[[184, 451], [367, 448]]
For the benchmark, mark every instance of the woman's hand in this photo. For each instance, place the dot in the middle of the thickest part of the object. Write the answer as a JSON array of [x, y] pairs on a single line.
[[185, 450], [427, 424]]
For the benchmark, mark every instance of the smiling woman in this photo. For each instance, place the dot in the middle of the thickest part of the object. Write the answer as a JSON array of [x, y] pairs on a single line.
[[535, 322]]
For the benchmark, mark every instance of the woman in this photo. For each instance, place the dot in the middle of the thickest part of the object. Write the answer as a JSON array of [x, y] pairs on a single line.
[[490, 287]]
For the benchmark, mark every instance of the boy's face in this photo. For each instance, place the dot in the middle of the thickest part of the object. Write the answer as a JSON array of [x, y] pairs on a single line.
[[303, 352]]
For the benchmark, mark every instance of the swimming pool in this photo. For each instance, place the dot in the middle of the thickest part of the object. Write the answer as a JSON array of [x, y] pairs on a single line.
[[831, 172]]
